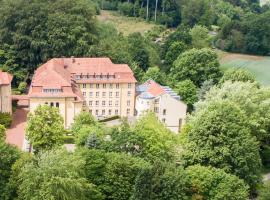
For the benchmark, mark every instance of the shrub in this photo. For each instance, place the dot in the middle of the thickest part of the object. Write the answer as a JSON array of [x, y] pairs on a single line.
[[107, 5], [109, 118], [69, 139], [22, 87], [126, 9], [5, 119]]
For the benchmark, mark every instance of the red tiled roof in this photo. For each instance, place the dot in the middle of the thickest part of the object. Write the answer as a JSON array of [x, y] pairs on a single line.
[[59, 73], [5, 78], [154, 88]]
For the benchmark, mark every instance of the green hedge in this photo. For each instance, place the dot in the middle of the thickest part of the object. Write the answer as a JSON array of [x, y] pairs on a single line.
[[69, 139], [109, 118], [5, 119]]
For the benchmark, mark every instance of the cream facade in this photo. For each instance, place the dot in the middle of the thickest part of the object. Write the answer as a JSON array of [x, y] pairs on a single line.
[[109, 99], [163, 102], [95, 85], [5, 93], [68, 107]]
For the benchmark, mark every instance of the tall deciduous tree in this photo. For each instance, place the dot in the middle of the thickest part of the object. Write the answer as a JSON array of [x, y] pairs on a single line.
[[253, 101], [219, 136], [212, 183], [237, 75], [200, 37], [35, 31], [188, 92], [45, 128], [197, 65], [174, 51], [8, 156], [113, 173], [56, 174]]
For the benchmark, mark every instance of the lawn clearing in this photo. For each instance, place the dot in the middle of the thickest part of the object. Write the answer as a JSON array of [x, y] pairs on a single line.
[[125, 25], [257, 65]]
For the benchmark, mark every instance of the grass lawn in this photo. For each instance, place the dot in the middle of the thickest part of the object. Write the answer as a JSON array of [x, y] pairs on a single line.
[[257, 65], [125, 25]]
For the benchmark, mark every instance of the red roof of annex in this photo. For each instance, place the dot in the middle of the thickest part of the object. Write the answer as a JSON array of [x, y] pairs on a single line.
[[5, 78]]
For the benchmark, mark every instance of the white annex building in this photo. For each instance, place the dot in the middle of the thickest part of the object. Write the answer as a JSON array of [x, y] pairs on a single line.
[[164, 102]]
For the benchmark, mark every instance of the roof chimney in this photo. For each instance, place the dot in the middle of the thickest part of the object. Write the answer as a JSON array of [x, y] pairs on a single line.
[[73, 59]]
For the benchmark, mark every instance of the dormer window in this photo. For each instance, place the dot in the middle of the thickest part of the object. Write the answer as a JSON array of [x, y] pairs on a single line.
[[52, 90]]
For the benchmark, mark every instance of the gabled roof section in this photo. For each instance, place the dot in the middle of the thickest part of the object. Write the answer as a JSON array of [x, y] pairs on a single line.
[[52, 75], [5, 78], [151, 89]]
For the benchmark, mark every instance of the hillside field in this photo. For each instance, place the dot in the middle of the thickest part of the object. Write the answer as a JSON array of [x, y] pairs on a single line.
[[257, 65], [125, 25]]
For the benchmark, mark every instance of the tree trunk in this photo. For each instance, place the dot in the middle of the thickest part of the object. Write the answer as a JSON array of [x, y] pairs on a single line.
[[156, 10], [147, 10], [163, 5]]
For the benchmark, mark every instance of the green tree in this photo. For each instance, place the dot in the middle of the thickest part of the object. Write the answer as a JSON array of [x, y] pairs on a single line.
[[45, 128], [206, 86], [2, 133], [264, 192], [237, 75], [42, 30], [176, 49], [218, 136], [22, 87], [181, 34], [14, 180], [56, 174], [198, 12], [161, 182], [188, 92], [212, 183], [197, 65], [253, 101], [86, 127], [113, 173], [83, 119], [155, 74], [200, 37], [138, 50], [8, 156], [145, 139], [153, 134]]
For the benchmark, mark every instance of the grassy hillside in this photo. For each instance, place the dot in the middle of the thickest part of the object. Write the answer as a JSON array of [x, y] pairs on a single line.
[[125, 25], [258, 65]]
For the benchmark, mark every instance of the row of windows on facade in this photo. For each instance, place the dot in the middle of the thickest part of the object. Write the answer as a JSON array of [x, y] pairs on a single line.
[[52, 90], [110, 112], [104, 94], [148, 103], [104, 85], [56, 104], [103, 103], [95, 76], [156, 110]]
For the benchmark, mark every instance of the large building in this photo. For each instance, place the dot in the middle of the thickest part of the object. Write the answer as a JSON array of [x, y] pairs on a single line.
[[92, 84], [161, 100], [5, 92]]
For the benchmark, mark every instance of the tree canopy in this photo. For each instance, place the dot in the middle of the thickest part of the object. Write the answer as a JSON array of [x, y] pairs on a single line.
[[45, 128], [35, 31], [198, 65], [56, 175], [218, 136]]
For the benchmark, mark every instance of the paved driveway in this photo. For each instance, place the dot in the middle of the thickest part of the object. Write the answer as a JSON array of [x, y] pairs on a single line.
[[16, 133]]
